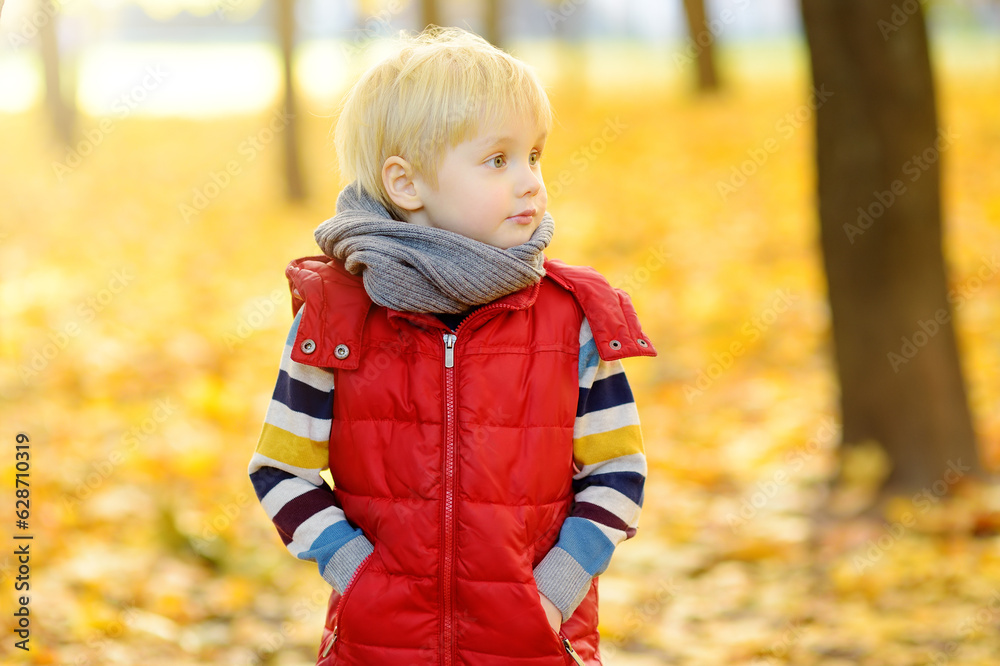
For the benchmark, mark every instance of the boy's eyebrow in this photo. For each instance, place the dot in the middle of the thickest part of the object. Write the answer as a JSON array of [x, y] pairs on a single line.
[[494, 139]]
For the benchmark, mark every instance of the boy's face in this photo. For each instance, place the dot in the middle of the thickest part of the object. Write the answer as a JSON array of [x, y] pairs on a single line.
[[490, 187]]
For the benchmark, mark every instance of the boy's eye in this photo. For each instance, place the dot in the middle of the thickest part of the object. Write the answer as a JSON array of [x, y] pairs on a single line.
[[533, 158], [498, 161]]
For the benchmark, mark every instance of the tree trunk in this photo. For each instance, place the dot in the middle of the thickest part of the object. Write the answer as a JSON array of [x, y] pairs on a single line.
[[878, 166], [61, 111], [491, 23], [294, 186], [567, 22], [703, 44], [429, 14]]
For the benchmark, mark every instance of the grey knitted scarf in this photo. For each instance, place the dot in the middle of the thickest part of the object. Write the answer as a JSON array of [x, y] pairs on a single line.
[[413, 268]]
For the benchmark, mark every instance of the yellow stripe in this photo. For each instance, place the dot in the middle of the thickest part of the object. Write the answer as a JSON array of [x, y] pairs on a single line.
[[285, 447], [603, 446]]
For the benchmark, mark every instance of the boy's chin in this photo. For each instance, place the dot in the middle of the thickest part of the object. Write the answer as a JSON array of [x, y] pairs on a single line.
[[520, 235], [508, 243]]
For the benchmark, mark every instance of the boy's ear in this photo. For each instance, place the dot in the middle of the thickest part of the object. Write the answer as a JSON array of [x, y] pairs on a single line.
[[398, 179]]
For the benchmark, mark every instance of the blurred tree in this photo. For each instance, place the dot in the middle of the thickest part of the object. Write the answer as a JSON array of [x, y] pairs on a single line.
[[429, 13], [492, 22], [60, 102], [703, 44], [878, 151], [567, 21], [294, 185]]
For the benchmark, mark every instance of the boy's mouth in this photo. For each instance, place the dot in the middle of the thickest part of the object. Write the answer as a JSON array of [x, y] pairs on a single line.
[[524, 217]]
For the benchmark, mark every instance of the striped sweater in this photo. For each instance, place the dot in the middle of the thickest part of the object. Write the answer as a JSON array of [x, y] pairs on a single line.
[[608, 483]]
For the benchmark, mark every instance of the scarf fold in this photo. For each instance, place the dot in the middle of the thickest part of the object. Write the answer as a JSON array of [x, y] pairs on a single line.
[[413, 268]]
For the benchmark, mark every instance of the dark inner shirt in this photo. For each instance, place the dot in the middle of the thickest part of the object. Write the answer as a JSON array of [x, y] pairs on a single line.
[[453, 319]]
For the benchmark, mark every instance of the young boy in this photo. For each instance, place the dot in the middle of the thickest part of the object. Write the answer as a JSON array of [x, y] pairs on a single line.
[[465, 393]]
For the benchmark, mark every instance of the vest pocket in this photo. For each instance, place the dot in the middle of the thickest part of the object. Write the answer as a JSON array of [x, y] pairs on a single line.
[[562, 643], [330, 643]]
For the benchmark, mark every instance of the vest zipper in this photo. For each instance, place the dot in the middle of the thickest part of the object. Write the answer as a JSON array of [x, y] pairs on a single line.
[[570, 651], [449, 349], [448, 523], [329, 646], [448, 510]]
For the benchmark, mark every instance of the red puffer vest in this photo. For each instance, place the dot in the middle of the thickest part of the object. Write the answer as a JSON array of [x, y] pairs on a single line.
[[454, 454]]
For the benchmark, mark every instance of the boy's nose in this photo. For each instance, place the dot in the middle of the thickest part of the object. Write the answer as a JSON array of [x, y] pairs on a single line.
[[530, 182]]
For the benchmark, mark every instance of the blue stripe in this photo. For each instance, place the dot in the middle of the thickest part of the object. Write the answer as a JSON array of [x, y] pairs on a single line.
[[266, 478], [290, 340], [629, 484], [586, 544], [303, 398], [609, 392], [329, 542], [589, 358]]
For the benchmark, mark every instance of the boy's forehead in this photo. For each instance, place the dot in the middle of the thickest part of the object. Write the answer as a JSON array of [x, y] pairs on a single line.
[[510, 131]]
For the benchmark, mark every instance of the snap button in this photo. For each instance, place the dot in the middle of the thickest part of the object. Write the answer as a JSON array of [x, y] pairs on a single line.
[[341, 351], [307, 346], [642, 343], [614, 344]]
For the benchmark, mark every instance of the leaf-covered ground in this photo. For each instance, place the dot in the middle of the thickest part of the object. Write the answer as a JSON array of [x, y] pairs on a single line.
[[143, 310]]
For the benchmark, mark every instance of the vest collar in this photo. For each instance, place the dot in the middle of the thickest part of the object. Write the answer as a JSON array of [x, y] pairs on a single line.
[[609, 311], [330, 332]]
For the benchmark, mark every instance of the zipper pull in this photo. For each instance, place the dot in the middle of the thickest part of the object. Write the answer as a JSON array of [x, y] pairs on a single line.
[[449, 349], [329, 645], [572, 653]]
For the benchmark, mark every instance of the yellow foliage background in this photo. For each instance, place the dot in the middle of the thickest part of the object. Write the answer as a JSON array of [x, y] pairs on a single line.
[[139, 351]]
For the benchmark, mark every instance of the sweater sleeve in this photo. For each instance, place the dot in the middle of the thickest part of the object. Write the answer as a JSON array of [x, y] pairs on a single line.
[[285, 472], [608, 452]]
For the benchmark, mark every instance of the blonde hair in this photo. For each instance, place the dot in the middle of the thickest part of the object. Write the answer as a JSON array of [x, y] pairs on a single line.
[[438, 89]]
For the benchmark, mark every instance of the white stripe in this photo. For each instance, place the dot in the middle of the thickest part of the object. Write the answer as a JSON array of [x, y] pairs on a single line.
[[607, 368], [613, 535], [283, 493], [320, 379], [309, 531], [295, 548], [586, 334], [302, 425], [634, 462], [311, 475], [602, 370], [611, 500], [605, 420]]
